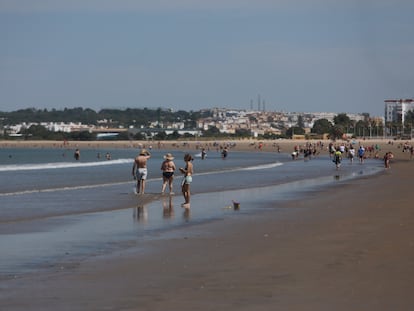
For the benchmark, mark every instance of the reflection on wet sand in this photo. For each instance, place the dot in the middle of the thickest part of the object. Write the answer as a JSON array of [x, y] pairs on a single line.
[[141, 214], [168, 207], [187, 213]]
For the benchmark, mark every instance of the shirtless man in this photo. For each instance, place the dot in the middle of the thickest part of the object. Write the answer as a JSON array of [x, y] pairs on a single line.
[[139, 170]]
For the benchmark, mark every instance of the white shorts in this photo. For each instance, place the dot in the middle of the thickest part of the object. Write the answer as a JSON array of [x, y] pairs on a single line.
[[187, 180], [142, 173]]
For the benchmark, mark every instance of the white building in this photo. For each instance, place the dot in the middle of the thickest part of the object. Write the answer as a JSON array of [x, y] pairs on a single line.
[[396, 109]]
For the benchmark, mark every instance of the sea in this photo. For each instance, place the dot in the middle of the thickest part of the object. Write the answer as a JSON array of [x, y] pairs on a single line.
[[56, 211]]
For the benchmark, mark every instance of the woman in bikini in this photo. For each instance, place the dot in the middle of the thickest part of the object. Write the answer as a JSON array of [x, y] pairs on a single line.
[[167, 168], [188, 173]]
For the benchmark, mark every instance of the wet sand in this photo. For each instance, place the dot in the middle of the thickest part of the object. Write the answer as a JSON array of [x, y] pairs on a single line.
[[347, 248]]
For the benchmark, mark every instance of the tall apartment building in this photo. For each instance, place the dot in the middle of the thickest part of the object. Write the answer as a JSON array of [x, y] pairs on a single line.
[[396, 109]]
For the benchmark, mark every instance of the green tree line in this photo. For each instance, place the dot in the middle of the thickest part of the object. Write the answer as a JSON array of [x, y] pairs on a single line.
[[129, 117], [141, 117]]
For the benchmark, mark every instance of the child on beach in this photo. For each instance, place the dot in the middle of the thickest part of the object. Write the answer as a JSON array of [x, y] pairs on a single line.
[[185, 185]]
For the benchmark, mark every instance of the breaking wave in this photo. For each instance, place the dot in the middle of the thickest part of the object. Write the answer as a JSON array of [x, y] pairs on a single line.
[[59, 165]]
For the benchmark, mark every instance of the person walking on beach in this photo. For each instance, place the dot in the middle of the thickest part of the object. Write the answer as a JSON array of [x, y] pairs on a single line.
[[139, 170], [361, 154], [331, 149], [185, 185], [337, 159], [167, 168], [351, 154]]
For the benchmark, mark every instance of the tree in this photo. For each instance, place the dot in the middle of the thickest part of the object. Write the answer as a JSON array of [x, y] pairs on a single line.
[[243, 133], [409, 118], [342, 119], [301, 123], [84, 135], [123, 136], [212, 132], [295, 130], [188, 135], [140, 136], [173, 136], [336, 132], [361, 128], [160, 136], [36, 132], [322, 126], [341, 125]]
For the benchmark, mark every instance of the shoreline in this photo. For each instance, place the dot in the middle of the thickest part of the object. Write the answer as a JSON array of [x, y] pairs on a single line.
[[347, 248], [285, 145]]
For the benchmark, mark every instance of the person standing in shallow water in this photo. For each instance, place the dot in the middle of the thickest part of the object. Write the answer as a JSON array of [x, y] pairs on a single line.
[[77, 154], [337, 159], [168, 168], [139, 170], [351, 154], [361, 154], [185, 185], [224, 153], [203, 153], [387, 159]]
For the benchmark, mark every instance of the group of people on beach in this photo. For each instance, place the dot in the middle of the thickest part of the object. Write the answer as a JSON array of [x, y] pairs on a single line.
[[168, 168], [309, 150], [337, 152]]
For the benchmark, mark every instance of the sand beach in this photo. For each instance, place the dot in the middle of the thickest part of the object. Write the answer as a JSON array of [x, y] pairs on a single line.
[[284, 145], [344, 248]]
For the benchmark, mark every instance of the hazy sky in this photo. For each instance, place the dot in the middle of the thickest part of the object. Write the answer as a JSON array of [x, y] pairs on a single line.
[[299, 55]]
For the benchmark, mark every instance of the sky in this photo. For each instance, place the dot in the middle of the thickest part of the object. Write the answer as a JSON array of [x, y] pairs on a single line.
[[295, 55]]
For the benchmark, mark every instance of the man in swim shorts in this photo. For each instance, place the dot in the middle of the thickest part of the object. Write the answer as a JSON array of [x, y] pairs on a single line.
[[139, 170]]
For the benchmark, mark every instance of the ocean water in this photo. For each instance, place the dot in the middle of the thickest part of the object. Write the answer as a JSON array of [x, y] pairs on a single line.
[[55, 210]]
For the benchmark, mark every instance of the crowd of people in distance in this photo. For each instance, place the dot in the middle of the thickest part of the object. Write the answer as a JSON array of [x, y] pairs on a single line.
[[406, 147], [340, 151], [309, 150]]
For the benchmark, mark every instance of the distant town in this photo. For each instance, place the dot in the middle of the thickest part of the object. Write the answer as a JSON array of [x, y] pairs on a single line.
[[164, 124]]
